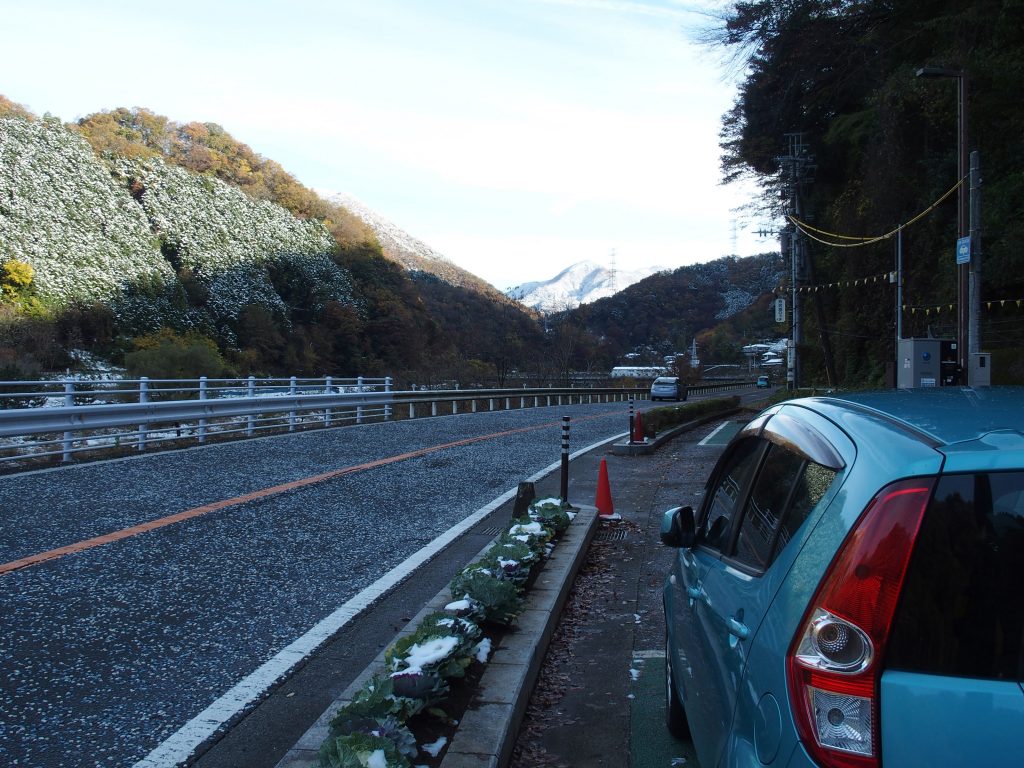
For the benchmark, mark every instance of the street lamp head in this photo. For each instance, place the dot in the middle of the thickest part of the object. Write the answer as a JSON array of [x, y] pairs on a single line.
[[936, 72]]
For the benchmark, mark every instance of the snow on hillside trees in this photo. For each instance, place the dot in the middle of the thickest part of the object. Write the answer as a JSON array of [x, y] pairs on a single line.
[[158, 244]]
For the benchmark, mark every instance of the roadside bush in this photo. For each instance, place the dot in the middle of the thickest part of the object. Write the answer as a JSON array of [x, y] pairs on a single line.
[[166, 355], [659, 419]]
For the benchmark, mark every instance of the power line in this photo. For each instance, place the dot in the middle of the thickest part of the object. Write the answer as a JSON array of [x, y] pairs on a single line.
[[807, 229]]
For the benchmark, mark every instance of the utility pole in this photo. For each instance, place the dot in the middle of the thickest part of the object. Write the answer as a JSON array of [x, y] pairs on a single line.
[[973, 338], [794, 167]]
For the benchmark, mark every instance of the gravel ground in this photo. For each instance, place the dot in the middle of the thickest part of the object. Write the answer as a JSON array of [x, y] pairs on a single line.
[[106, 652]]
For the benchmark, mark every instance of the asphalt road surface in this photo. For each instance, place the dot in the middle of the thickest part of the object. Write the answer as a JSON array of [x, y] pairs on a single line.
[[145, 603]]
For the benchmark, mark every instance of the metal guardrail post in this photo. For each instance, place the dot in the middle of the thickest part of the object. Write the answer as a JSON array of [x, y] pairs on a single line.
[[387, 406], [202, 421], [631, 419], [359, 408], [490, 402], [143, 398], [69, 400], [455, 407], [291, 414], [412, 410], [433, 407], [328, 411], [508, 403], [250, 420], [474, 406]]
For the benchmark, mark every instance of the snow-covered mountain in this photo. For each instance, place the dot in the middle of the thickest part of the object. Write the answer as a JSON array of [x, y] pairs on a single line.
[[580, 283], [393, 239], [413, 254]]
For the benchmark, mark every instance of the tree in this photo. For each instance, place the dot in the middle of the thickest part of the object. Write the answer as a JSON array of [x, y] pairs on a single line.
[[168, 355], [883, 143]]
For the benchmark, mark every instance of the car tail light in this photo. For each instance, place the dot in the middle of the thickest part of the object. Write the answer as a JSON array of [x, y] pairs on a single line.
[[834, 663]]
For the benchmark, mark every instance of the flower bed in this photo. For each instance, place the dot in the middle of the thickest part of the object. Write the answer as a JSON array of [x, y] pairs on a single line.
[[385, 723]]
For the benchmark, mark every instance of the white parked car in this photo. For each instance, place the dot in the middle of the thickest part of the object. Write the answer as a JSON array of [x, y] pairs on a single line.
[[667, 388]]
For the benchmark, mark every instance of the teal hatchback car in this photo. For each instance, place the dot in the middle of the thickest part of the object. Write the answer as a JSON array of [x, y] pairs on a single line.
[[850, 591]]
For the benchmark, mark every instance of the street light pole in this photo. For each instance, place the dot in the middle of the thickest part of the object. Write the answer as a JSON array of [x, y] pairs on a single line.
[[963, 216]]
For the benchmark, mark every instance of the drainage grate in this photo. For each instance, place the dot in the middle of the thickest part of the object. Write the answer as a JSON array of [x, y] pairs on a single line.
[[610, 534], [491, 530]]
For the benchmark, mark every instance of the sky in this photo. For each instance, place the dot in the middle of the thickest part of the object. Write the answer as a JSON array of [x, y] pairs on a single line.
[[516, 137]]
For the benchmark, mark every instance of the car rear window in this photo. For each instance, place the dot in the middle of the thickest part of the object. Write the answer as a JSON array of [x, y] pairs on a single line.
[[961, 611]]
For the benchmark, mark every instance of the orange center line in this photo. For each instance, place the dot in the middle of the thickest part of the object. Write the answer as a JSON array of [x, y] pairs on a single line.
[[177, 517]]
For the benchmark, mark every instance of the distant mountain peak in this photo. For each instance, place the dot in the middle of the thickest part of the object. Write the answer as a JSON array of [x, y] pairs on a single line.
[[579, 283], [411, 253], [398, 244]]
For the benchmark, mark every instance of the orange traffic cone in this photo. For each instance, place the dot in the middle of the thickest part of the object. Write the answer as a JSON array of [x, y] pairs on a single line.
[[638, 428], [603, 502]]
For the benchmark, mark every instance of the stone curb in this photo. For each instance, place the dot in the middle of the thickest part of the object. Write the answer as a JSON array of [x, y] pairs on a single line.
[[628, 448], [486, 734]]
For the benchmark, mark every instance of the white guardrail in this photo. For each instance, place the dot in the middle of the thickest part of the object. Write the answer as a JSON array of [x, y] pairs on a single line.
[[49, 419]]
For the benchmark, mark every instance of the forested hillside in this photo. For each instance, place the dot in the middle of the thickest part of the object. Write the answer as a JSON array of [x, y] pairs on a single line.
[[724, 303], [177, 250], [878, 146]]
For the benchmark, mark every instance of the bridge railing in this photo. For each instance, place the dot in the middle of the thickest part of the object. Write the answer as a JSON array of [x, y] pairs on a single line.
[[61, 419]]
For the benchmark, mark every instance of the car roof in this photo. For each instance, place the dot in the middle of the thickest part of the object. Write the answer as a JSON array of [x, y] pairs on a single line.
[[944, 415]]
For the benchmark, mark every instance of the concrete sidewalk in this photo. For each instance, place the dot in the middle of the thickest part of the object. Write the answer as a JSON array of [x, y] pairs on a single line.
[[600, 697]]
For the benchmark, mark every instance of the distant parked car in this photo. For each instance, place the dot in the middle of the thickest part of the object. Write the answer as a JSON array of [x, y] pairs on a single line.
[[667, 388], [763, 382], [850, 591]]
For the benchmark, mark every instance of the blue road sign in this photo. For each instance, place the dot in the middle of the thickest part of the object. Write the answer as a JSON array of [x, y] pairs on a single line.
[[963, 250]]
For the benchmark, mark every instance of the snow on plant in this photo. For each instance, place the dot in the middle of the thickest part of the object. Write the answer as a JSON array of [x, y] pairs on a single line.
[[361, 750], [510, 559], [551, 513], [82, 234], [373, 705], [533, 533], [442, 647], [233, 244], [500, 598]]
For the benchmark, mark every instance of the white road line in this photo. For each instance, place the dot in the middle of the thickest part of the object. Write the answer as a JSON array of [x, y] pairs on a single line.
[[179, 745], [644, 655], [707, 439]]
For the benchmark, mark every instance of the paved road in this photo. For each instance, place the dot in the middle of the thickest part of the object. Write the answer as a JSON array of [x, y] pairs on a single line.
[[109, 650]]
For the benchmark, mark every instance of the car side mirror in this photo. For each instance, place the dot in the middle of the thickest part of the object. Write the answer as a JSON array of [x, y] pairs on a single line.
[[678, 528]]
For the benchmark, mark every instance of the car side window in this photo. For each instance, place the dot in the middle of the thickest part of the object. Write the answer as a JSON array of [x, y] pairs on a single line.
[[726, 496], [766, 506], [810, 489], [786, 490]]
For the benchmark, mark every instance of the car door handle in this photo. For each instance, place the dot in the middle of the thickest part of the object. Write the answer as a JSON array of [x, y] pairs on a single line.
[[697, 592], [738, 629]]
